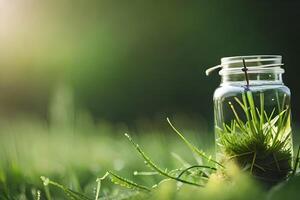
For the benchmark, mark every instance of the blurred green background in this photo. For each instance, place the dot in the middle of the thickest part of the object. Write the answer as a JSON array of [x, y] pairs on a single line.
[[126, 60], [76, 74]]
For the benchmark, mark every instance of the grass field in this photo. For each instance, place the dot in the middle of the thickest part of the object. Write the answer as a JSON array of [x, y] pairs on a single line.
[[72, 157]]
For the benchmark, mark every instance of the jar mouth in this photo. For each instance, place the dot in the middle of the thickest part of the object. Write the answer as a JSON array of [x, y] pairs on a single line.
[[253, 59], [254, 64]]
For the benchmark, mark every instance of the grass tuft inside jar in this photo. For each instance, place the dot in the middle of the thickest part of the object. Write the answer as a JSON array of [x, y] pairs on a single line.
[[258, 141]]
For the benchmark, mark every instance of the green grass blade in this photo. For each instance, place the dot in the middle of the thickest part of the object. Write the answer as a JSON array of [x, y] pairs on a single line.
[[153, 166], [262, 109], [282, 124], [180, 159], [253, 110], [99, 181], [193, 147], [116, 179], [38, 195], [246, 106], [70, 193], [195, 166], [296, 161]]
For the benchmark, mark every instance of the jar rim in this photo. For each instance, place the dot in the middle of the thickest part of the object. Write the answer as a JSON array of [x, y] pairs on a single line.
[[251, 58], [254, 64]]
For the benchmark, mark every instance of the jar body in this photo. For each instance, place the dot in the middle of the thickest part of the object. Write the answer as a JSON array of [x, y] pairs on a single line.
[[253, 128]]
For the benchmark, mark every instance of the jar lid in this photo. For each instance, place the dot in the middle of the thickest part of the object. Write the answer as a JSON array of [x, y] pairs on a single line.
[[254, 64]]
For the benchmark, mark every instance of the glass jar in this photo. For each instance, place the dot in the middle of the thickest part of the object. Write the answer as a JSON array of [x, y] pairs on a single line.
[[252, 116]]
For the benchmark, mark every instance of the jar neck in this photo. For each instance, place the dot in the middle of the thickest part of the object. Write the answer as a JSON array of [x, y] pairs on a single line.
[[254, 79]]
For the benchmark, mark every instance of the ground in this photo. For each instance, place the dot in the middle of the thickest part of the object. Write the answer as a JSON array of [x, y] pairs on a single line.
[[75, 156]]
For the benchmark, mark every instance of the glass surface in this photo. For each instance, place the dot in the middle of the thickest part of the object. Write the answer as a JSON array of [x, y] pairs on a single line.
[[252, 124]]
